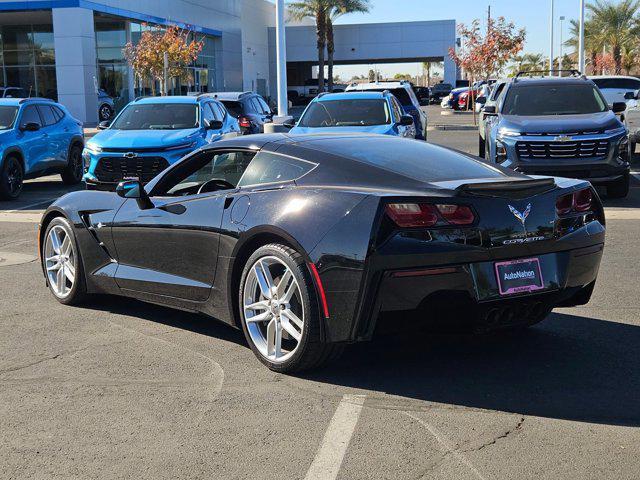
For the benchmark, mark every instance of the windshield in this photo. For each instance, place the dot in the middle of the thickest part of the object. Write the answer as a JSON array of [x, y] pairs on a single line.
[[157, 116], [346, 113], [7, 117], [554, 100]]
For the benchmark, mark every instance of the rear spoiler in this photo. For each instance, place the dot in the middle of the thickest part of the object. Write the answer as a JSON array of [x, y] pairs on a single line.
[[507, 186]]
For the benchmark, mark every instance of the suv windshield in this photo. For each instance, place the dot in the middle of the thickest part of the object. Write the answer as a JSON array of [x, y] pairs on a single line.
[[346, 113], [570, 99], [7, 117], [157, 116]]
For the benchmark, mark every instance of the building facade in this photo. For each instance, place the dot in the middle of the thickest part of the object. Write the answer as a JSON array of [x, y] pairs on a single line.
[[71, 50]]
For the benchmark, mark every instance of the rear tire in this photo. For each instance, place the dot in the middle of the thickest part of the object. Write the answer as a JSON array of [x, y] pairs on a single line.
[[480, 147], [105, 112], [619, 189], [72, 173], [269, 337], [11, 178]]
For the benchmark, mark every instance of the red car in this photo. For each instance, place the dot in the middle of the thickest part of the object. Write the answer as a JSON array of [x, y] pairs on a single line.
[[463, 98]]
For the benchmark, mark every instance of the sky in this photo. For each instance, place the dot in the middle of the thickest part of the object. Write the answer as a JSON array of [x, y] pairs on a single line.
[[533, 15]]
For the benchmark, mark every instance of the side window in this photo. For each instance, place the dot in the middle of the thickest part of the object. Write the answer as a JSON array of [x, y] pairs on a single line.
[[263, 104], [191, 176], [30, 115], [207, 114], [272, 168], [397, 109], [47, 115], [58, 112], [256, 105], [221, 111]]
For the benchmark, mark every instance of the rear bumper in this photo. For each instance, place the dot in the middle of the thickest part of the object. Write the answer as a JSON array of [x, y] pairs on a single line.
[[467, 293]]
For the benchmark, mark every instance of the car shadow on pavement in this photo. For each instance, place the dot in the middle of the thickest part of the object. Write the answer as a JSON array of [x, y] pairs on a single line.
[[568, 367], [192, 322]]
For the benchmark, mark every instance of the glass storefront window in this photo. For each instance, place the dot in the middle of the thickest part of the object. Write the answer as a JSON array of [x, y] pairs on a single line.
[[27, 59]]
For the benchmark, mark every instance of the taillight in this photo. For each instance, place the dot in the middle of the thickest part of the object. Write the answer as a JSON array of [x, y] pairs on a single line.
[[580, 201], [244, 122], [408, 215], [456, 214]]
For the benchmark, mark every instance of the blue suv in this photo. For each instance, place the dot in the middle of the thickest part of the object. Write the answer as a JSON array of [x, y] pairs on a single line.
[[152, 133], [359, 112], [562, 127], [37, 137]]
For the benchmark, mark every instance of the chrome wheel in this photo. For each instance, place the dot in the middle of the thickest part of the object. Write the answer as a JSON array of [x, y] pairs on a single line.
[[273, 309], [60, 261]]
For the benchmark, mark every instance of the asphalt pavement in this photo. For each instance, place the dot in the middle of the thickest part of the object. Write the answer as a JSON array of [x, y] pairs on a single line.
[[122, 389]]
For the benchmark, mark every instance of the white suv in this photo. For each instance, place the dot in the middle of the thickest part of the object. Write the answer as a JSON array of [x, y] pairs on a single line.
[[403, 91]]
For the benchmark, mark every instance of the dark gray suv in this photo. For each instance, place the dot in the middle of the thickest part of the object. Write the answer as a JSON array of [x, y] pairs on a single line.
[[559, 126]]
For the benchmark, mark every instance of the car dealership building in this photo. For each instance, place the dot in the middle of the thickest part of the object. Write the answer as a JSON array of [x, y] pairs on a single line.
[[71, 50]]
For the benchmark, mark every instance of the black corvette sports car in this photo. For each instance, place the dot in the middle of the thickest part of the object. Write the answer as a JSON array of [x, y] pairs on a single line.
[[309, 243]]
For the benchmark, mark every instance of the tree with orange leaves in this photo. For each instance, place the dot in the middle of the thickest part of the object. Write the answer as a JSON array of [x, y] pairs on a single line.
[[147, 56], [486, 54]]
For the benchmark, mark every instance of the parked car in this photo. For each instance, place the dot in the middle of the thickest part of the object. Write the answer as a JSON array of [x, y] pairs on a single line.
[[303, 94], [559, 126], [423, 94], [13, 92], [464, 99], [488, 100], [404, 93], [615, 87], [308, 244], [356, 112], [106, 106], [439, 91], [37, 137], [451, 101], [152, 133], [251, 110]]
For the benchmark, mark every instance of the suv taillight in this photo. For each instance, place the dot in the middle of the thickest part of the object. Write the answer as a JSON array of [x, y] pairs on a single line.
[[412, 215], [244, 122], [576, 202]]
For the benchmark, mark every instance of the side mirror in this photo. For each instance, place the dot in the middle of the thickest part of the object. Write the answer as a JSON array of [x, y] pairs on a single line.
[[481, 100], [213, 124], [289, 124], [618, 107], [629, 96], [490, 110], [406, 120], [30, 127], [134, 189], [104, 124]]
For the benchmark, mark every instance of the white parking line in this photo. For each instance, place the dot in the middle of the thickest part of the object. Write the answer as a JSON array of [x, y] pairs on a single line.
[[336, 439], [31, 205], [636, 175]]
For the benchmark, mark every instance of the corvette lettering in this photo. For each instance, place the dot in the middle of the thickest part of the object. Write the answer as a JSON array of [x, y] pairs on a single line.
[[522, 240]]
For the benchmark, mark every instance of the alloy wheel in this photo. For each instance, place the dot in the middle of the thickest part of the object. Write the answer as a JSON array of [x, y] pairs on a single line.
[[60, 261], [273, 309]]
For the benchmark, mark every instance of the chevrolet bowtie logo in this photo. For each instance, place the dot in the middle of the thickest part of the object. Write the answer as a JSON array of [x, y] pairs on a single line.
[[130, 155], [563, 138]]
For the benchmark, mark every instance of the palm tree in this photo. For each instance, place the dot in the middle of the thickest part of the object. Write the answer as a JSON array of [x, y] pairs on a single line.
[[593, 40], [428, 66], [617, 24], [318, 10], [337, 8]]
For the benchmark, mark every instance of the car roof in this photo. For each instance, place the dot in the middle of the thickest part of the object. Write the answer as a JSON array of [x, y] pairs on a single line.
[[15, 102], [352, 95], [377, 85], [550, 81], [169, 99], [230, 95], [614, 77]]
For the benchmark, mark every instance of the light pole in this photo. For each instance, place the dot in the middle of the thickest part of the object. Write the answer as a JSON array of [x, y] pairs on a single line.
[[581, 65], [551, 40], [281, 54], [560, 61]]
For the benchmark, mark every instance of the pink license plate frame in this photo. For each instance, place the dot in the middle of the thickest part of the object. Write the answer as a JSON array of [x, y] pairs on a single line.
[[538, 285]]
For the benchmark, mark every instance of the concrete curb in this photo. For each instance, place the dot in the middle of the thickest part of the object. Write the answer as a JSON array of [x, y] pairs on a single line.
[[460, 128]]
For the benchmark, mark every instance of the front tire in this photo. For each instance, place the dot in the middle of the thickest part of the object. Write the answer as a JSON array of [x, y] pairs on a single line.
[[105, 112], [279, 311], [62, 263], [72, 174], [11, 178]]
